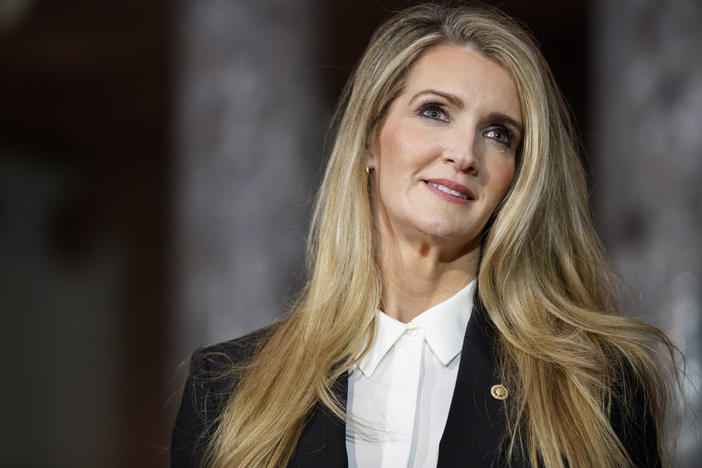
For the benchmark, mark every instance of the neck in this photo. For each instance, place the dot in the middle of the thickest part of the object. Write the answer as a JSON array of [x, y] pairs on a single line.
[[417, 276]]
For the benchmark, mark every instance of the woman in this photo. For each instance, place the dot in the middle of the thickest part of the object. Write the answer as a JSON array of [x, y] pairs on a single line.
[[459, 310]]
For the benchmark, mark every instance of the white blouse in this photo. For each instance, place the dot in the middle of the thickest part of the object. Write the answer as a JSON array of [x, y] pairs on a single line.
[[399, 394]]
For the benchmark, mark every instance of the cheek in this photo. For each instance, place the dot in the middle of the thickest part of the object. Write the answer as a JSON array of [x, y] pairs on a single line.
[[502, 174], [402, 147]]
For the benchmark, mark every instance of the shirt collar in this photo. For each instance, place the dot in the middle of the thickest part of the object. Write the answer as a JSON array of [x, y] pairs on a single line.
[[444, 328]]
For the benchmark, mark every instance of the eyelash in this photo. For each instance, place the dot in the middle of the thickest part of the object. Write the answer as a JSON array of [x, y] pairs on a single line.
[[433, 107], [424, 109], [508, 136]]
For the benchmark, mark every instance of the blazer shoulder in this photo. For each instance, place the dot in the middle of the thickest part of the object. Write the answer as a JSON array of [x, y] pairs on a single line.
[[631, 416], [215, 360], [212, 377]]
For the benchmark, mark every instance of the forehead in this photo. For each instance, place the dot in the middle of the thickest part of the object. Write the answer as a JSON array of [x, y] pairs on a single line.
[[462, 71]]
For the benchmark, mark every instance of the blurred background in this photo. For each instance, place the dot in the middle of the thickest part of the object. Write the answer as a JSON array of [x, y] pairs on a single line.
[[158, 161]]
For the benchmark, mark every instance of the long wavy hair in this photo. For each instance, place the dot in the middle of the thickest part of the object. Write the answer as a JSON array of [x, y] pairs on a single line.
[[543, 279]]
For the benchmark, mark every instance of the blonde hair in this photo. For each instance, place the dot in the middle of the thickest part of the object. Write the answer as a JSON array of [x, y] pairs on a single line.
[[543, 279]]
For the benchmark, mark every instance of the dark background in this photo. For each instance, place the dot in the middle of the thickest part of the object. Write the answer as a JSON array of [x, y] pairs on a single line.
[[86, 203]]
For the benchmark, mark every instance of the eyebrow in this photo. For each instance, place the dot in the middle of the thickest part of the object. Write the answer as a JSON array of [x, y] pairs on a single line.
[[452, 98], [458, 103]]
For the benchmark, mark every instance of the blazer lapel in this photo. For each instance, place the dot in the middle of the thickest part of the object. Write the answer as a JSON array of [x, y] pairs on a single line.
[[475, 424], [476, 420], [323, 439]]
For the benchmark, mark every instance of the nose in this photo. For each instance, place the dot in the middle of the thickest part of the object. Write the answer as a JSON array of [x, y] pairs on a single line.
[[461, 153]]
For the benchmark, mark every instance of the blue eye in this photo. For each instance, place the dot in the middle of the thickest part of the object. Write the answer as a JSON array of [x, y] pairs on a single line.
[[433, 111], [499, 134]]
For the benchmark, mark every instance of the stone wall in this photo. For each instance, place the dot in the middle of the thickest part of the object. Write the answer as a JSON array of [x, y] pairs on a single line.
[[247, 125], [647, 148]]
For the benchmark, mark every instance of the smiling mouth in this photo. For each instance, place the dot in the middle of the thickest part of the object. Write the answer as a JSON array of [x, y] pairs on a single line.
[[449, 191]]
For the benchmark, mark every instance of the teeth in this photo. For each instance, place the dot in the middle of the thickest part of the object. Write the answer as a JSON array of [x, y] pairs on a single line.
[[445, 189]]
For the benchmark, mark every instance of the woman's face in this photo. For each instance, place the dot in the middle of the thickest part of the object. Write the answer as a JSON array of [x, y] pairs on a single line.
[[445, 153]]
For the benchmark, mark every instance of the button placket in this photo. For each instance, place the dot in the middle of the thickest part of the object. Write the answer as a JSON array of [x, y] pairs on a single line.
[[404, 404]]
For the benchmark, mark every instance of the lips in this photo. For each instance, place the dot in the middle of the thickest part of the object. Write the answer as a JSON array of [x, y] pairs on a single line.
[[450, 188]]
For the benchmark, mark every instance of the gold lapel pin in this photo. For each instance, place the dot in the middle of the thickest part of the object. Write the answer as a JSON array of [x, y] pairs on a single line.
[[499, 392]]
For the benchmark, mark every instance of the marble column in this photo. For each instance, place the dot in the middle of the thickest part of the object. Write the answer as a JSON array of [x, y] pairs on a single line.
[[647, 148], [248, 128]]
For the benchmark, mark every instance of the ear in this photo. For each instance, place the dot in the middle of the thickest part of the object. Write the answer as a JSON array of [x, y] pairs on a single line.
[[370, 160], [371, 154]]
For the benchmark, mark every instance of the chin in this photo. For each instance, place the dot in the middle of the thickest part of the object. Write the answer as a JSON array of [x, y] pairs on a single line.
[[442, 230]]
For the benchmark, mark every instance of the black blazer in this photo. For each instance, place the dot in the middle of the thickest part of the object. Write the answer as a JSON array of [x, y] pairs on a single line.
[[475, 426]]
